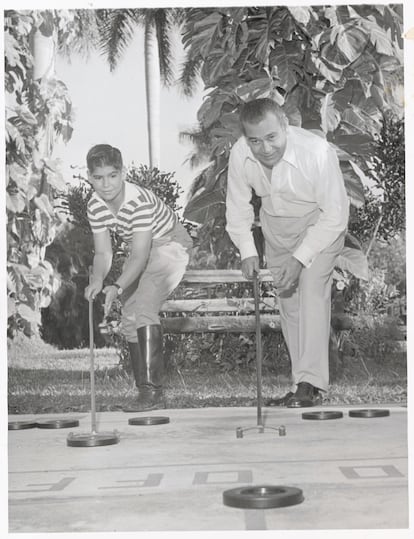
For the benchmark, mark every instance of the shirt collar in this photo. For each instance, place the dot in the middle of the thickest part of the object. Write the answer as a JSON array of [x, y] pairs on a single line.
[[289, 156]]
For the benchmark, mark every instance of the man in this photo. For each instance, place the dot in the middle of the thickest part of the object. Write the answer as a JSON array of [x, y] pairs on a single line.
[[157, 246], [304, 215]]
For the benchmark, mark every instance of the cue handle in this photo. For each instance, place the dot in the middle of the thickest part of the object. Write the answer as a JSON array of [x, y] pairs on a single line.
[[91, 356], [258, 349]]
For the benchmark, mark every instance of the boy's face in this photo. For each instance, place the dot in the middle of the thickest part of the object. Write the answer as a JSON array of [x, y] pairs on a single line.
[[107, 181], [267, 139]]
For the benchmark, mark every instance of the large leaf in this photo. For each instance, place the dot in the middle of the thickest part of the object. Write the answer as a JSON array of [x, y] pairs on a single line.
[[14, 135], [301, 14], [211, 109], [18, 174], [204, 33], [232, 124], [205, 206], [357, 143], [354, 93], [330, 116], [351, 41], [391, 21], [343, 96], [54, 176], [11, 282], [264, 32], [256, 86], [332, 74], [354, 261], [31, 315], [215, 67], [12, 51], [361, 175], [27, 115], [353, 184], [281, 60], [352, 241], [15, 202], [378, 37], [11, 306], [343, 14], [355, 119]]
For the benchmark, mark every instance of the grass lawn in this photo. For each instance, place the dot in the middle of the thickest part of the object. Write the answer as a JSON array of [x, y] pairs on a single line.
[[51, 381]]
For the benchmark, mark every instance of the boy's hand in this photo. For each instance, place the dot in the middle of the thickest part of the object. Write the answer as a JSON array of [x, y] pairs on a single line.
[[93, 289]]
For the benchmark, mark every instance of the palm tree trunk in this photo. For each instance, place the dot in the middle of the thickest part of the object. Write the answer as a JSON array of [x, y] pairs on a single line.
[[152, 87], [43, 48]]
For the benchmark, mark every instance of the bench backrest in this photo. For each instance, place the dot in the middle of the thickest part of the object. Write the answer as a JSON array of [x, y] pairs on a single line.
[[205, 302]]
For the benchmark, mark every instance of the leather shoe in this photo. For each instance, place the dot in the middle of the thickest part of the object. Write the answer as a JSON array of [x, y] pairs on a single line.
[[281, 401], [306, 395]]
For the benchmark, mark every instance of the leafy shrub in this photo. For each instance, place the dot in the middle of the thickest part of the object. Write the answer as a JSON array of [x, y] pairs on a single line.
[[387, 283], [226, 352], [373, 337], [384, 204]]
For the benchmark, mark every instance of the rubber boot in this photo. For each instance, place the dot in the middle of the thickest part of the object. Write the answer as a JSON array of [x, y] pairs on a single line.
[[148, 366], [134, 358]]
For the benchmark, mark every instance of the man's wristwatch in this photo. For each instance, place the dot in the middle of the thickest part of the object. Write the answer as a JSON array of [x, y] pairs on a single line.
[[118, 287]]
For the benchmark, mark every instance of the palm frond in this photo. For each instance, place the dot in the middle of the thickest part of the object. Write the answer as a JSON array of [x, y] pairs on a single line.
[[163, 30], [117, 28], [201, 141], [83, 37], [190, 74], [198, 184]]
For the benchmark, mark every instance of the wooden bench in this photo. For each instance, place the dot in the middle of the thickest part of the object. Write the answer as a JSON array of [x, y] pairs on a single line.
[[211, 301], [221, 301]]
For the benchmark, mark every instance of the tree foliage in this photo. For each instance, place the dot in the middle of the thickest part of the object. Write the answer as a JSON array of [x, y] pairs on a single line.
[[38, 112], [334, 69]]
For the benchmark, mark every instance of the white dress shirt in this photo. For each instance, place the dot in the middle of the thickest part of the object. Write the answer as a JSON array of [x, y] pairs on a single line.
[[307, 177]]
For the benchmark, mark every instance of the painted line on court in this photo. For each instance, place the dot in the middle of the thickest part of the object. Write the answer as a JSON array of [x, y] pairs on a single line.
[[196, 464]]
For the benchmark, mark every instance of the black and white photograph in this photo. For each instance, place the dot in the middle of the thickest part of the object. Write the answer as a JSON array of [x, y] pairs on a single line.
[[206, 251]]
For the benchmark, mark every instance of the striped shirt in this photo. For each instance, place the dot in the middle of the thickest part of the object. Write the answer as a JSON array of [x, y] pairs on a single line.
[[141, 211]]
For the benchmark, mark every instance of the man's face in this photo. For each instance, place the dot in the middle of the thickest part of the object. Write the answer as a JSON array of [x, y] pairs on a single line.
[[107, 181], [267, 139]]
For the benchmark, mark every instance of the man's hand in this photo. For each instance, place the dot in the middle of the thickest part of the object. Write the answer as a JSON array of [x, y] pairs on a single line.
[[111, 293], [249, 266], [289, 274], [93, 289]]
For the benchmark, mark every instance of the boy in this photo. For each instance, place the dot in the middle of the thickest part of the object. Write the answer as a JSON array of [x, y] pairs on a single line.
[[158, 253]]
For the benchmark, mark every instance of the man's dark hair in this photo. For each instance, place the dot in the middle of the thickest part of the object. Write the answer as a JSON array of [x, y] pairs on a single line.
[[254, 111], [103, 155]]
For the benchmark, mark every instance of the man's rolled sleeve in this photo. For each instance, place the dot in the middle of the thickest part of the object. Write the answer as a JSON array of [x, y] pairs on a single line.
[[239, 211]]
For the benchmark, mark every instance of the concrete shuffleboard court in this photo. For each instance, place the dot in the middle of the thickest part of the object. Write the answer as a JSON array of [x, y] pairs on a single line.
[[170, 477]]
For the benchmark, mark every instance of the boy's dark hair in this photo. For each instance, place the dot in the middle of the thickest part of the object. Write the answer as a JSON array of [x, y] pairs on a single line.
[[253, 112], [103, 155]]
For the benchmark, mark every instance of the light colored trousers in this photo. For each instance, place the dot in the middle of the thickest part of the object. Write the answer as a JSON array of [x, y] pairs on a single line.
[[305, 311], [142, 300]]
